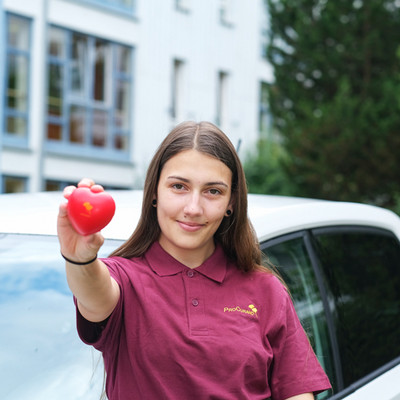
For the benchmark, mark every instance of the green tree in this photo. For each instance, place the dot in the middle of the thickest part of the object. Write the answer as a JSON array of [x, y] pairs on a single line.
[[335, 98], [263, 168]]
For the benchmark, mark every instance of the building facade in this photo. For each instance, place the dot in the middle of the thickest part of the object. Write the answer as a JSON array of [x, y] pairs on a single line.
[[91, 87]]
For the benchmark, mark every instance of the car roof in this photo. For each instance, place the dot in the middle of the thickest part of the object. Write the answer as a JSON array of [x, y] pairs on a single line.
[[271, 216]]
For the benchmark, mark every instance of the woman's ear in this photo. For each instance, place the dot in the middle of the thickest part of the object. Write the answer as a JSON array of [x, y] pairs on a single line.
[[229, 209]]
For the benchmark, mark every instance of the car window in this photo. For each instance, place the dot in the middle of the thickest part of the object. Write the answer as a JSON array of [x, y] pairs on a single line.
[[361, 272], [294, 265], [41, 356], [344, 282]]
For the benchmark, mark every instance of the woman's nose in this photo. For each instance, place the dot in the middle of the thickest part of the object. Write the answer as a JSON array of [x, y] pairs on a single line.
[[193, 205]]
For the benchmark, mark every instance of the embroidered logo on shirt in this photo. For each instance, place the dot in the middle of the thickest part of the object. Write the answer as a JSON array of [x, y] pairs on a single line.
[[251, 310]]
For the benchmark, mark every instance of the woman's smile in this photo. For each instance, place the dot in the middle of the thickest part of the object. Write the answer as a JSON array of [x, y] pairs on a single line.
[[190, 226]]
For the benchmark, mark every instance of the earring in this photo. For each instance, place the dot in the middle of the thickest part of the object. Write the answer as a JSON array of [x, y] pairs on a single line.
[[228, 213], [154, 202]]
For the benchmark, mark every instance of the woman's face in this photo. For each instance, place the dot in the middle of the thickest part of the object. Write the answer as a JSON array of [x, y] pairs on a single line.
[[193, 195]]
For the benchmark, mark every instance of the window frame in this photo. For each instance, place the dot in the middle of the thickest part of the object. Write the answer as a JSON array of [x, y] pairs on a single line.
[[178, 73], [109, 106], [112, 5], [9, 139], [264, 112], [23, 179], [264, 30], [226, 13], [183, 6], [222, 97]]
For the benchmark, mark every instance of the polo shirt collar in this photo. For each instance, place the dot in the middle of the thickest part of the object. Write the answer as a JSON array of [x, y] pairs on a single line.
[[163, 264]]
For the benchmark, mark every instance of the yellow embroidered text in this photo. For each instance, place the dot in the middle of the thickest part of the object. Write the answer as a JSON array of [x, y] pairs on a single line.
[[251, 310]]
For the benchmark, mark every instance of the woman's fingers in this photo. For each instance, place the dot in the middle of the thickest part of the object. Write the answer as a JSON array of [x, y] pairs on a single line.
[[86, 182], [63, 210], [97, 188], [68, 191]]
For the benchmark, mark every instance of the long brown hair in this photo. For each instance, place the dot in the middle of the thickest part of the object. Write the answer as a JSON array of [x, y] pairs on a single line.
[[235, 234]]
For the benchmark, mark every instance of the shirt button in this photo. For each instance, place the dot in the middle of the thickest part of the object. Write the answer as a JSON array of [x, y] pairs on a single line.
[[190, 274], [195, 302]]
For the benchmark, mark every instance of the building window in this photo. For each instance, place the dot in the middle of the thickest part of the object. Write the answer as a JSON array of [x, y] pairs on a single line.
[[55, 186], [182, 5], [14, 184], [177, 89], [124, 6], [264, 116], [226, 12], [89, 94], [17, 80], [264, 24], [222, 98]]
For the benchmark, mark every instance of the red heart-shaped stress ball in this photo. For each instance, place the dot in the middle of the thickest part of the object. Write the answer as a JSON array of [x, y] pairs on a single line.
[[89, 212]]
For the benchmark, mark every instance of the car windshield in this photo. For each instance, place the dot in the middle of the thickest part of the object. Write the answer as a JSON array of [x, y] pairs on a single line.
[[41, 355]]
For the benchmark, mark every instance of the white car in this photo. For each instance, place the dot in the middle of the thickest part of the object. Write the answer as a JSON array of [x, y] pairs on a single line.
[[341, 262]]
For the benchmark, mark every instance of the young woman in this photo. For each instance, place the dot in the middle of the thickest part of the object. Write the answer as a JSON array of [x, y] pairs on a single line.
[[184, 309]]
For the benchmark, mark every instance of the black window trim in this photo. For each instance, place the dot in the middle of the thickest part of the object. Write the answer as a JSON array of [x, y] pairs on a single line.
[[316, 265], [328, 230]]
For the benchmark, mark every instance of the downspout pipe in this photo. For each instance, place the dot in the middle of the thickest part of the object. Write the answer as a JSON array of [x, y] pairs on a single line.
[[2, 84], [42, 137]]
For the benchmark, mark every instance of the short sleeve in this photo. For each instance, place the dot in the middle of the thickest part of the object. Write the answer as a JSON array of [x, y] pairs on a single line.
[[295, 367]]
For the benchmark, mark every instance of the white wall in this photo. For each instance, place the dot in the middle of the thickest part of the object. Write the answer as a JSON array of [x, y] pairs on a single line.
[[158, 34]]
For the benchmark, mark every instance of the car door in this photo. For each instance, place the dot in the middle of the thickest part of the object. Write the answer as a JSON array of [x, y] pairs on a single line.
[[345, 282]]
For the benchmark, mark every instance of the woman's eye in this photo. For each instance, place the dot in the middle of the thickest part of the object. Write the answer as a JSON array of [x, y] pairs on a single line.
[[178, 186], [214, 191]]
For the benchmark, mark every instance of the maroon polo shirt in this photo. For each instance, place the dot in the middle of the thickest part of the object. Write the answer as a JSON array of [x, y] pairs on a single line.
[[211, 332]]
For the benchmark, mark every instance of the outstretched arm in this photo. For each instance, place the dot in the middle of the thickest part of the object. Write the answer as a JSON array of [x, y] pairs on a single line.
[[97, 293]]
